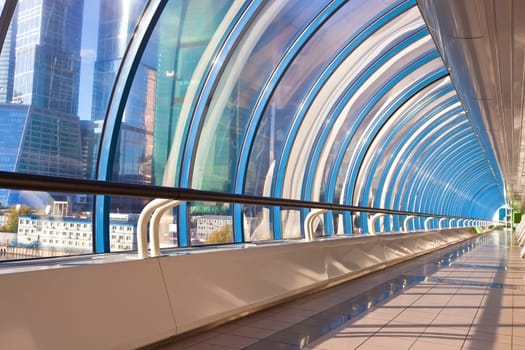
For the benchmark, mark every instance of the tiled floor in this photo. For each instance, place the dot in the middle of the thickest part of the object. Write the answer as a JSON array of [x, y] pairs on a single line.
[[466, 297]]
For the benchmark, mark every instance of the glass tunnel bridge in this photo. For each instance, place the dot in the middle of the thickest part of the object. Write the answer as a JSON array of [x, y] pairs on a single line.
[[309, 141]]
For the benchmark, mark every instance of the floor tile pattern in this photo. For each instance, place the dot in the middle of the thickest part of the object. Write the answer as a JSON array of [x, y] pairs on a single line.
[[470, 296]]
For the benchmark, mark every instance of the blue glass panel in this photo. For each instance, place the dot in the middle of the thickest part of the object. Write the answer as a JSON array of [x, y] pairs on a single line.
[[408, 123], [261, 48], [162, 79], [400, 137], [298, 81], [238, 19], [344, 162], [396, 177], [350, 70], [436, 173], [150, 130]]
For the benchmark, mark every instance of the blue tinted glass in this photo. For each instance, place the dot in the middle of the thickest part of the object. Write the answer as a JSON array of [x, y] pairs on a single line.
[[153, 118], [188, 35], [300, 77], [321, 125], [416, 117], [245, 77]]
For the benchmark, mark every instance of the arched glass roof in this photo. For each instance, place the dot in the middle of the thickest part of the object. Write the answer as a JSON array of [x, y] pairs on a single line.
[[338, 102]]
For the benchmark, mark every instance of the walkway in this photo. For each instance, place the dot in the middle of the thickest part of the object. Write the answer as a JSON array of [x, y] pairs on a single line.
[[470, 296]]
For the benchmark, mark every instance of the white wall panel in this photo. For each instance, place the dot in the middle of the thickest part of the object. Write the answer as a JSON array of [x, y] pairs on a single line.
[[129, 304], [103, 306]]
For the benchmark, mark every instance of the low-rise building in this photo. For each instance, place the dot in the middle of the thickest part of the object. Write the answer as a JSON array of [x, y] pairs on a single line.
[[75, 234]]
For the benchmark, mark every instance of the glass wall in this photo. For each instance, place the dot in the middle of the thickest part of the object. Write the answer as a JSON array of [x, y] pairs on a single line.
[[332, 102]]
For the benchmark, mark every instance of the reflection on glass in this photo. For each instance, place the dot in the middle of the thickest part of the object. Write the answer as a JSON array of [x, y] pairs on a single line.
[[338, 227], [357, 223], [168, 229], [210, 223], [48, 224], [57, 68], [256, 223], [116, 23], [123, 219], [239, 90], [291, 224], [188, 34]]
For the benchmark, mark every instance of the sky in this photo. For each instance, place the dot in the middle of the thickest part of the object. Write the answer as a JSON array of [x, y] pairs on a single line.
[[88, 54]]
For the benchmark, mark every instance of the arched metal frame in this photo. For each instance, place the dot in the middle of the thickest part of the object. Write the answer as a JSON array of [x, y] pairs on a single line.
[[421, 61], [404, 171], [321, 138], [442, 167], [351, 173], [467, 179], [113, 119], [451, 200], [372, 169], [6, 17], [369, 29], [424, 142], [199, 110], [398, 126], [452, 163], [264, 99], [382, 60], [443, 161], [311, 166], [406, 175]]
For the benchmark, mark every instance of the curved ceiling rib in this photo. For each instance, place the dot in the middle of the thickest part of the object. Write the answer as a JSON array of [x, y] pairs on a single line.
[[482, 45], [342, 102]]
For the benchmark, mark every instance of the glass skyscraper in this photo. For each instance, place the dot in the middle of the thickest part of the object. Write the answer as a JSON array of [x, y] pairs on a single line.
[[39, 78], [47, 69], [7, 60]]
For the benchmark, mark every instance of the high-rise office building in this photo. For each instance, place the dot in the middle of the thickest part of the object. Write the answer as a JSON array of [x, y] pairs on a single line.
[[40, 75], [87, 134], [7, 61], [47, 68]]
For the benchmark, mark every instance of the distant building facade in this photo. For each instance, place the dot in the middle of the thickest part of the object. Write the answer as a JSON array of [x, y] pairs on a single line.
[[207, 224], [74, 234]]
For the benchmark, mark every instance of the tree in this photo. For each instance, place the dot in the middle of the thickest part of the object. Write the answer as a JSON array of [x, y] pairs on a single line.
[[11, 217], [221, 235]]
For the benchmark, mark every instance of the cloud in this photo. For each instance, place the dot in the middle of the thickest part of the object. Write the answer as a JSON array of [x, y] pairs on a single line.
[[88, 54]]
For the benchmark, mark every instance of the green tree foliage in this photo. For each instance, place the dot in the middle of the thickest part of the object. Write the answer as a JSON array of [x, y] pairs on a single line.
[[11, 217], [221, 235]]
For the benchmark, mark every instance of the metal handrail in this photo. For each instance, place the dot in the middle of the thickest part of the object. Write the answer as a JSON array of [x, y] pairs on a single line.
[[165, 198], [372, 222], [68, 185]]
